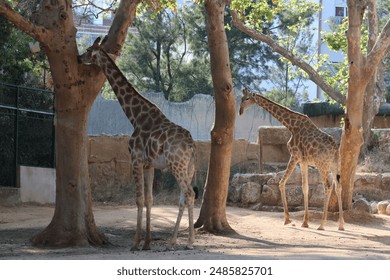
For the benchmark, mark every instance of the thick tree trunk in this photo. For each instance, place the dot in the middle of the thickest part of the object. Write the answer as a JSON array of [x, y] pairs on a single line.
[[73, 222], [75, 87], [375, 92], [352, 137], [213, 210]]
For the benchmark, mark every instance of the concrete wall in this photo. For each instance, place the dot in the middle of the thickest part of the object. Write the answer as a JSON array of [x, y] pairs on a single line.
[[196, 115], [37, 184]]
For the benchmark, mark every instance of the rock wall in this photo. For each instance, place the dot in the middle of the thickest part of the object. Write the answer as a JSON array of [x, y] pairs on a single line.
[[110, 167], [261, 191]]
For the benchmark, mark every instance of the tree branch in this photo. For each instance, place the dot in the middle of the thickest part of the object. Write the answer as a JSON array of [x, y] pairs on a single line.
[[38, 32], [124, 17], [380, 50], [311, 72]]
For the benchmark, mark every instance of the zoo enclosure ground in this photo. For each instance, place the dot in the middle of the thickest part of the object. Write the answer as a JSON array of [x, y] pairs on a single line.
[[259, 235]]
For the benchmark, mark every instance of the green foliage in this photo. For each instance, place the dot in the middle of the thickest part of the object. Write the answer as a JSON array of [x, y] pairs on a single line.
[[18, 65], [288, 23], [287, 98], [169, 54], [157, 58]]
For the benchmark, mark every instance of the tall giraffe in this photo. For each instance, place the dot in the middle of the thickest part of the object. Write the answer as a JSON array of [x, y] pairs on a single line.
[[155, 143], [308, 145]]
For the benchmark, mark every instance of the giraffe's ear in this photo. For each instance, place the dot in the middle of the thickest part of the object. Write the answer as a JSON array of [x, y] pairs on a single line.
[[104, 40], [96, 43], [246, 92]]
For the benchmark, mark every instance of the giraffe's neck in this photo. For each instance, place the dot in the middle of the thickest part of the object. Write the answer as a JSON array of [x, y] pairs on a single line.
[[137, 108], [290, 119]]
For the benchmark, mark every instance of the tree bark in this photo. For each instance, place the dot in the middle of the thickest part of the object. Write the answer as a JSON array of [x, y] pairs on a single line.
[[75, 87], [375, 93], [213, 209], [361, 70]]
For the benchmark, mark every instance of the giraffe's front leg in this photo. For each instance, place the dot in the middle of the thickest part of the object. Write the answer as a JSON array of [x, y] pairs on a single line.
[[282, 187], [148, 177], [139, 183]]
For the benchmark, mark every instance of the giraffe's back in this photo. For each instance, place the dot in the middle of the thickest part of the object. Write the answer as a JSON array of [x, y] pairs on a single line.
[[315, 147]]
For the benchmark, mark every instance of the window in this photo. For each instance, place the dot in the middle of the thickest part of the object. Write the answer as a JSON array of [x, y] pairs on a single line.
[[339, 12]]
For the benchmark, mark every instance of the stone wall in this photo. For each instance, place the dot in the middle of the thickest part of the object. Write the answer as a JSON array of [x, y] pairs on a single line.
[[261, 191], [110, 168]]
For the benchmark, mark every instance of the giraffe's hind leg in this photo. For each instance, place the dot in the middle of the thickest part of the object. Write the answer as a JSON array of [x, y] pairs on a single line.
[[338, 190], [187, 197], [305, 191], [326, 180]]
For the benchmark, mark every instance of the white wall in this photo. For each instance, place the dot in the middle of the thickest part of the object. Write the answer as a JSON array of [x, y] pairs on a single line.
[[37, 184], [196, 115]]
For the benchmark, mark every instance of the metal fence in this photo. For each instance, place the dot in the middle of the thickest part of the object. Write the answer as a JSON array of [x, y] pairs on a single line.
[[26, 130]]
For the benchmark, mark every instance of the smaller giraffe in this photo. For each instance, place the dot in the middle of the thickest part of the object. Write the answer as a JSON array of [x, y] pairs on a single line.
[[155, 143], [308, 145]]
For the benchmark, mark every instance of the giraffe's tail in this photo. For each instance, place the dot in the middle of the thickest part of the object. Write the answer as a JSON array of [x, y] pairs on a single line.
[[192, 170]]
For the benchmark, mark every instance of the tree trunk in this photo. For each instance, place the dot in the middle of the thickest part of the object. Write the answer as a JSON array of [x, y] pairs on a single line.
[[213, 210], [375, 92], [73, 222], [75, 87], [352, 137]]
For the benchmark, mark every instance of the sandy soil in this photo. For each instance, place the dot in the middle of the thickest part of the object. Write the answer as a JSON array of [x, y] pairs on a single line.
[[260, 235]]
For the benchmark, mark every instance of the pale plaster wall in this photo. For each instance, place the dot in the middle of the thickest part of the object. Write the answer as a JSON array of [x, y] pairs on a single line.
[[37, 184], [196, 115]]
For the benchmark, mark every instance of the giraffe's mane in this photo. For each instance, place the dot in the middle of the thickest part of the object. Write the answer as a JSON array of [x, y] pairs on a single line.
[[124, 77], [258, 95]]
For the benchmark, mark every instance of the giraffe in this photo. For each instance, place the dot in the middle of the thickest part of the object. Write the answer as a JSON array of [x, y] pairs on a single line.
[[308, 146], [155, 143]]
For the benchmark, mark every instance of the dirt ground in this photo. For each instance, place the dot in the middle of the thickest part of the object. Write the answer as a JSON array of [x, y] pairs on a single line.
[[260, 235]]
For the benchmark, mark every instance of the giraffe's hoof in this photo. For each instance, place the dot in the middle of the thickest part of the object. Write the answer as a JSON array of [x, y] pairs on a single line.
[[170, 248], [320, 228], [341, 228], [286, 222], [146, 247], [134, 248], [305, 225], [189, 247]]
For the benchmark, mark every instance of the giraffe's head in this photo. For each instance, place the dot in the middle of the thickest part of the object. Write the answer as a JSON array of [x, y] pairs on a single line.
[[246, 101], [90, 56]]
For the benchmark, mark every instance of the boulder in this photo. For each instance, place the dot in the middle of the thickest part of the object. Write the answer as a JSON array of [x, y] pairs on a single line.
[[382, 205], [296, 177], [374, 207], [386, 181], [388, 210], [250, 193], [361, 205], [270, 195], [250, 182]]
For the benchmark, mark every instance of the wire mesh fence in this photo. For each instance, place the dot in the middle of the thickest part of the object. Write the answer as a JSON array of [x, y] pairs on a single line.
[[26, 130]]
